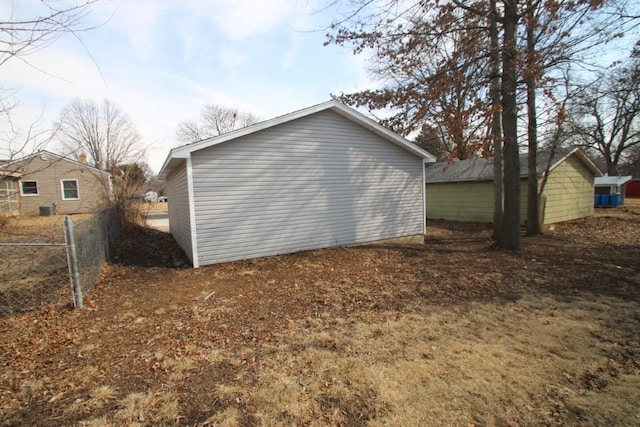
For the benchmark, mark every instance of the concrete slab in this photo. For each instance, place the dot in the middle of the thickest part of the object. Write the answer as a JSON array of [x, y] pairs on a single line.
[[158, 220]]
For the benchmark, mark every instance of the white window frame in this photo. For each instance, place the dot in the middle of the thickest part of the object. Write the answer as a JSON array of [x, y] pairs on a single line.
[[8, 184], [62, 181], [29, 195]]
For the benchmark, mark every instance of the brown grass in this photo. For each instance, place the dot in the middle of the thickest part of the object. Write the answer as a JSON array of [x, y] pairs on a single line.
[[484, 364], [632, 202], [450, 333], [36, 228]]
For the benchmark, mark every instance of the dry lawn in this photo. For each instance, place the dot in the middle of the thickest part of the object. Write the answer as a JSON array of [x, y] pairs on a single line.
[[34, 229], [32, 275], [451, 333]]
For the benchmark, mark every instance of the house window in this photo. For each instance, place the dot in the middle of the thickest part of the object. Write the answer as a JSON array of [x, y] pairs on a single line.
[[70, 189], [29, 188], [8, 184]]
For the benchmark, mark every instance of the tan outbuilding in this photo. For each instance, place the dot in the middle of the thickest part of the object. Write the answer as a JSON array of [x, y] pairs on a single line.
[[463, 190]]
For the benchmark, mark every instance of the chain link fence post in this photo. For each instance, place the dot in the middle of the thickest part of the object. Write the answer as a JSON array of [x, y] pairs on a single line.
[[72, 257], [38, 262]]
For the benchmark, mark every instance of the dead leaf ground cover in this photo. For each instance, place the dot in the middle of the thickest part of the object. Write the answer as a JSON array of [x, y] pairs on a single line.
[[446, 333]]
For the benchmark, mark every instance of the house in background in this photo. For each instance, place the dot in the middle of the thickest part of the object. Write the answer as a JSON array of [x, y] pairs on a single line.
[[610, 190], [9, 194], [52, 182], [463, 190], [151, 196], [320, 177]]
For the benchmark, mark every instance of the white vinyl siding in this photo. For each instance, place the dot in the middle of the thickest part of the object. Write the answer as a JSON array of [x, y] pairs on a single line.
[[179, 220], [314, 182]]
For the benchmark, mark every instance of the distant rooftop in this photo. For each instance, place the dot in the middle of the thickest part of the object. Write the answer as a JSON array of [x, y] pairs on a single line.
[[612, 180], [481, 169]]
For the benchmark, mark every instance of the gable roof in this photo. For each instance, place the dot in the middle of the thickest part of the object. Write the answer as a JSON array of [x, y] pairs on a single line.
[[481, 169], [7, 167], [175, 156]]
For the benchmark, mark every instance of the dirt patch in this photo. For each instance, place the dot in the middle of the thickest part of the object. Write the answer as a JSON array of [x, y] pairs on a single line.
[[446, 333]]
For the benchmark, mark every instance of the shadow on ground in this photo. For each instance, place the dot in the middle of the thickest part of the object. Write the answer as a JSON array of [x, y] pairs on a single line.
[[144, 246]]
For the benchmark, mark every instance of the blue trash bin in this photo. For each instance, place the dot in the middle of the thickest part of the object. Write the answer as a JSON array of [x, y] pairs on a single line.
[[614, 200], [604, 199], [596, 200]]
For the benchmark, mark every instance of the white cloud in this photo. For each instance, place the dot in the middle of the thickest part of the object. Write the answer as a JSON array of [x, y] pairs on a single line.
[[162, 60], [138, 21], [232, 57], [289, 58], [241, 19], [357, 65], [55, 72]]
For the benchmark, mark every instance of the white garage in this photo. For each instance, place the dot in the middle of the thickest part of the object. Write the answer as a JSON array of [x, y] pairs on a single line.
[[320, 177]]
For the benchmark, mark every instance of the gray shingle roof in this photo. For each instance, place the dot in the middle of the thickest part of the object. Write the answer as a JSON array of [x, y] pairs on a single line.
[[481, 169]]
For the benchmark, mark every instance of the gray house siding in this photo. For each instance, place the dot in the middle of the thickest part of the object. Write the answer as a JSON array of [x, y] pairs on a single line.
[[314, 182], [179, 218]]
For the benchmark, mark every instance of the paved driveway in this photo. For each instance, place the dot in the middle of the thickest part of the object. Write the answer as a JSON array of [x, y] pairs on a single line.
[[158, 219]]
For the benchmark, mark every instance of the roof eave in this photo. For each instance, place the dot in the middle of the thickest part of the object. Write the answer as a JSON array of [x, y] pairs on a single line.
[[380, 130], [351, 114], [22, 159], [583, 156], [172, 161]]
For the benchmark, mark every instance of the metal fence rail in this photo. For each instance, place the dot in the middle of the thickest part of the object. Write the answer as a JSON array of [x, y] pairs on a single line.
[[37, 272]]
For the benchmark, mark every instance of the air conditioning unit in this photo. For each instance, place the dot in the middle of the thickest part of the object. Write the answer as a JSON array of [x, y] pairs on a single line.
[[46, 210]]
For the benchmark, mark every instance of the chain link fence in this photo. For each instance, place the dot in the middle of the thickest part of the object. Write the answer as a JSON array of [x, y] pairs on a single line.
[[53, 264]]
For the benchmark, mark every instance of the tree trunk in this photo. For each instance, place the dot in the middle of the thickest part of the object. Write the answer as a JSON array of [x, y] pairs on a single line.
[[533, 211], [509, 236], [496, 122]]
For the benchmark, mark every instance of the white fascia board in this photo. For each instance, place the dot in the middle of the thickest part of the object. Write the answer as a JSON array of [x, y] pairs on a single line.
[[382, 131], [192, 215], [343, 110], [625, 179], [175, 153], [59, 157], [585, 159], [209, 142], [612, 180], [424, 200]]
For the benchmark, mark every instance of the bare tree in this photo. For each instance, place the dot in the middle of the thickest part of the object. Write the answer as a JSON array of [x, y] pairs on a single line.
[[422, 47], [16, 141], [606, 115], [110, 141], [631, 164], [24, 31], [412, 40], [22, 35], [129, 182], [103, 132], [214, 120]]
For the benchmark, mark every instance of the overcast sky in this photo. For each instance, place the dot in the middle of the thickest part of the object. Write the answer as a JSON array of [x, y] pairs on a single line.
[[163, 60]]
